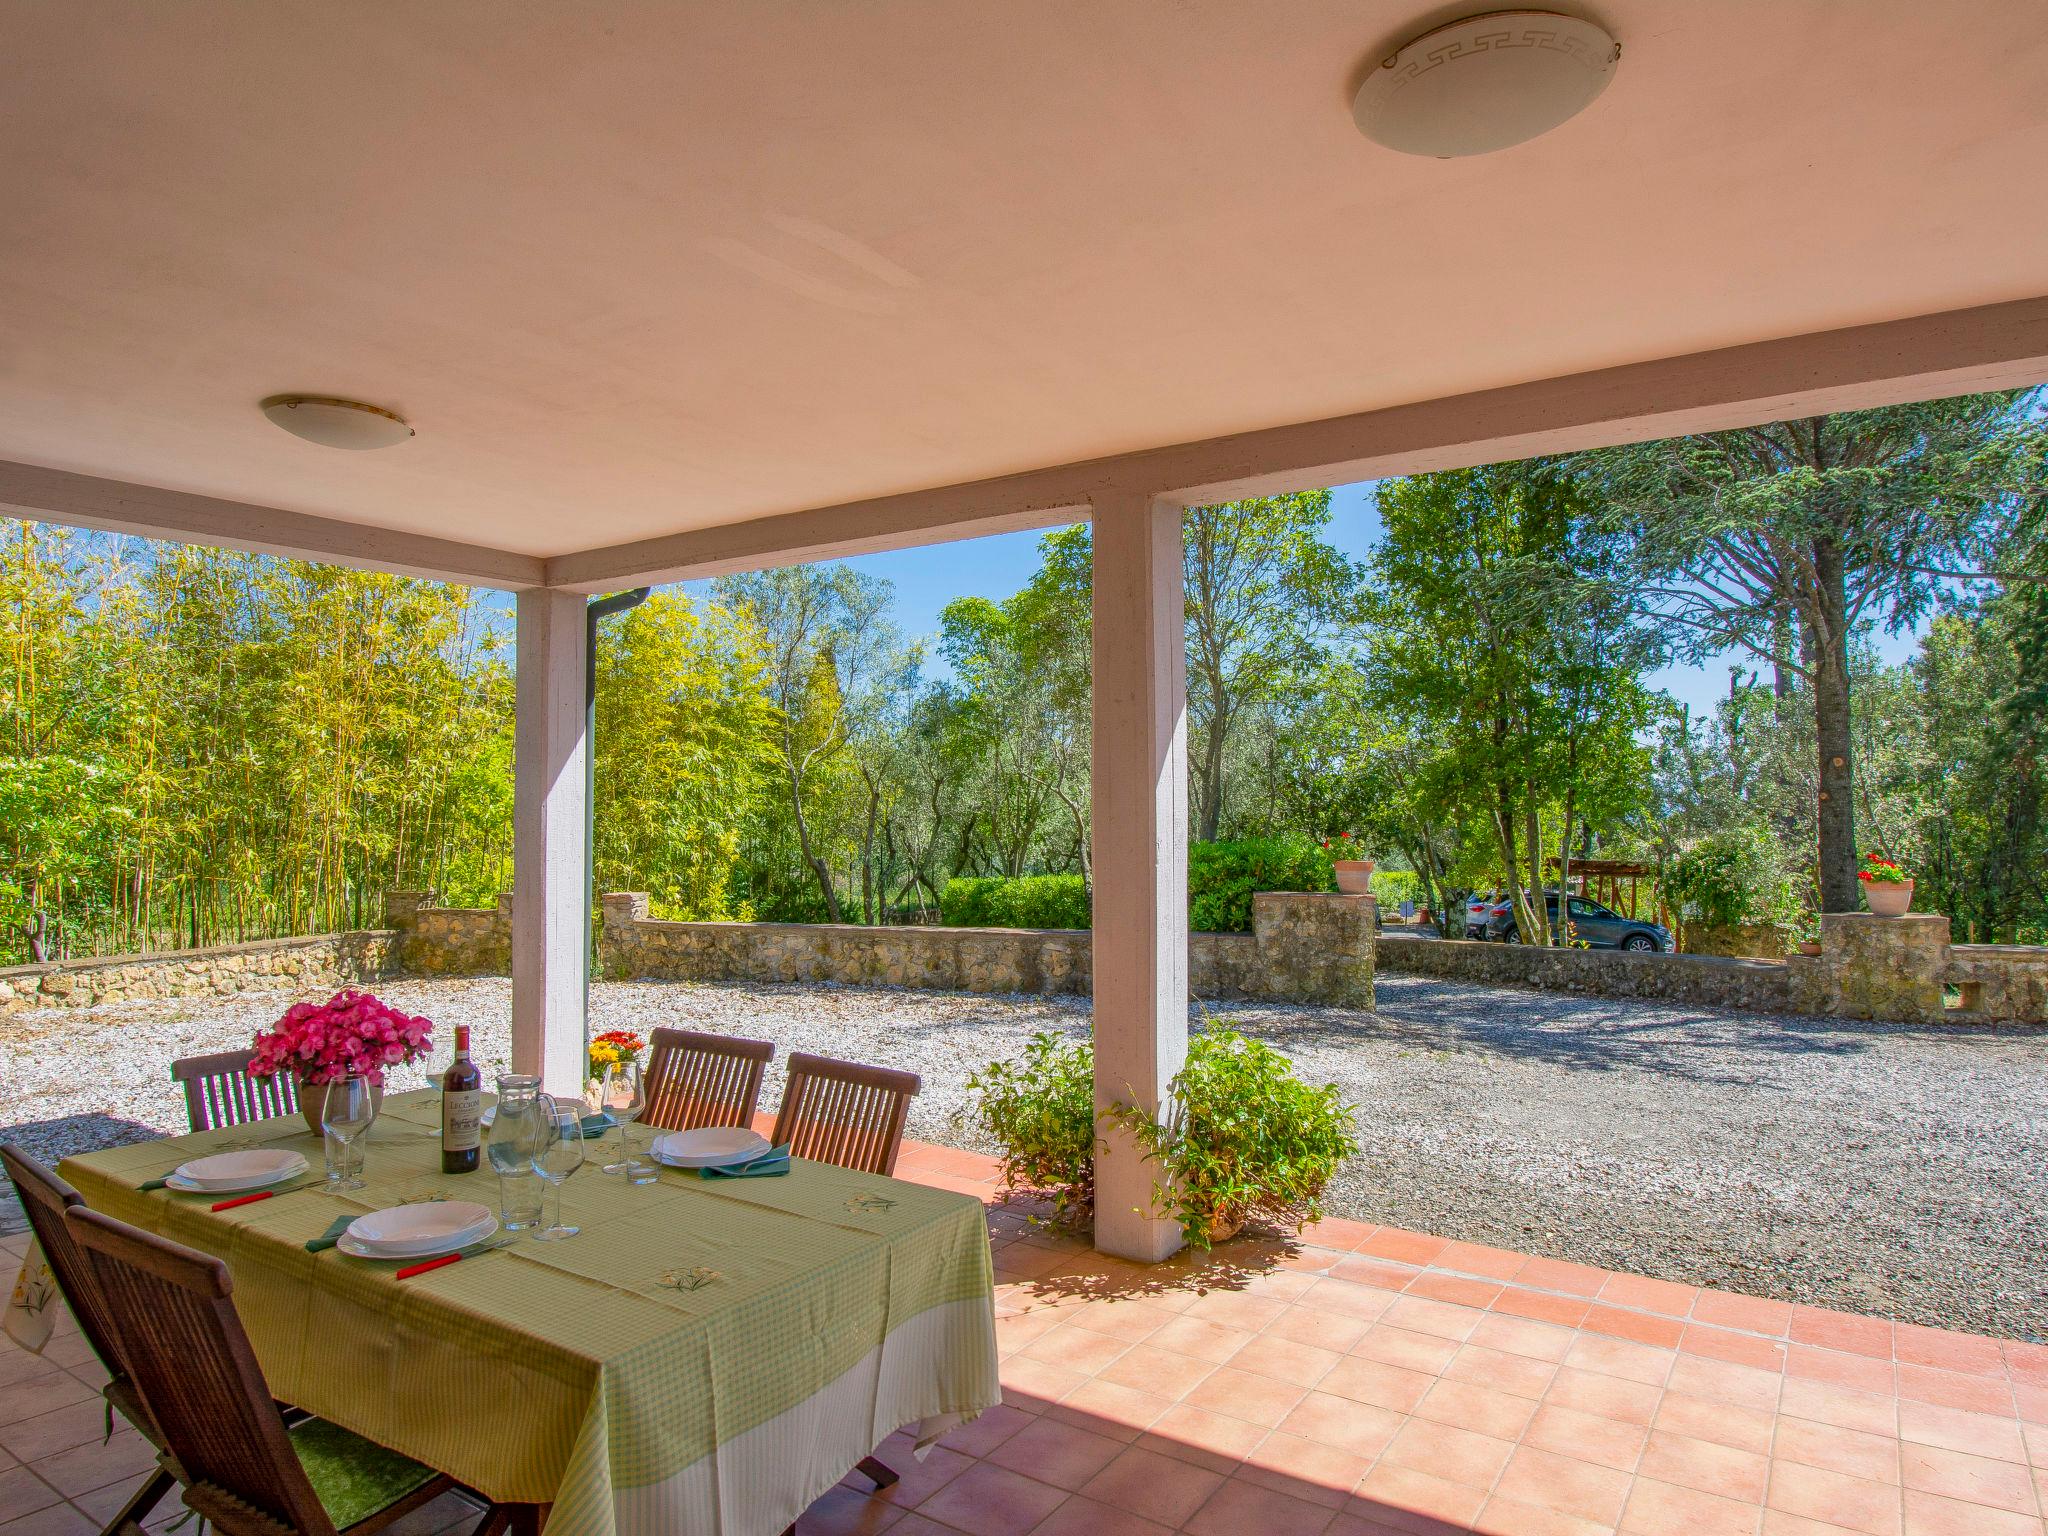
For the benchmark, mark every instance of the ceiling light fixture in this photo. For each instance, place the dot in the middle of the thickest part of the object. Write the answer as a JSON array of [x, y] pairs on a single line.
[[1484, 83], [336, 423]]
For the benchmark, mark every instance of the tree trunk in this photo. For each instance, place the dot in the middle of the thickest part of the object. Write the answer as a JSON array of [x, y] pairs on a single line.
[[1211, 774], [1839, 890]]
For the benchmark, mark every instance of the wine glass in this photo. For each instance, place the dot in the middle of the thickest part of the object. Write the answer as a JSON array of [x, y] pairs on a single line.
[[558, 1153], [345, 1115], [621, 1095]]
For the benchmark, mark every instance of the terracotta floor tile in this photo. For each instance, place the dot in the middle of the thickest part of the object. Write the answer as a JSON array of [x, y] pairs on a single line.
[[1505, 1517], [1242, 1395], [1444, 1450], [1485, 1409], [40, 1394], [1564, 1483], [1568, 1432], [1324, 1330], [1075, 1348], [1085, 1517], [1425, 1352], [46, 1434], [1754, 1314], [1035, 1385], [56, 1520], [1973, 1479], [1953, 1389], [1745, 1429], [1131, 1321], [1389, 1490], [93, 1465], [1567, 1311], [1162, 1372], [1778, 1523], [1842, 1330], [988, 1500], [984, 1434], [1855, 1502], [1380, 1274], [1058, 1453], [2026, 1362], [23, 1493], [1212, 1440], [1407, 1247], [2036, 1437], [1020, 1328], [1947, 1350], [1369, 1381], [1665, 1509], [1308, 1469], [1235, 1309], [918, 1480], [1120, 1412], [1642, 1327], [1280, 1285], [1445, 1320], [1859, 1373], [1647, 1295], [2031, 1401], [1460, 1290], [1736, 1348], [1336, 1232], [1869, 1412], [1557, 1275], [1360, 1428], [1213, 1342], [1477, 1259], [1520, 1336], [1620, 1357], [1497, 1368], [1158, 1487], [1284, 1360], [1612, 1397], [1849, 1451], [1705, 1465], [1348, 1299], [840, 1512], [1928, 1514], [1722, 1381], [1954, 1429], [1242, 1506]]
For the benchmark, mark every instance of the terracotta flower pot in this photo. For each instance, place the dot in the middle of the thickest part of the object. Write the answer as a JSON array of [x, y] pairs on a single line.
[[1354, 876], [1223, 1228], [313, 1099], [1809, 947], [1888, 898]]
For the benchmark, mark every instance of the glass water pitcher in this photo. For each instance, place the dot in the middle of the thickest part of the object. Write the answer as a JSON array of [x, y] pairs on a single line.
[[510, 1141]]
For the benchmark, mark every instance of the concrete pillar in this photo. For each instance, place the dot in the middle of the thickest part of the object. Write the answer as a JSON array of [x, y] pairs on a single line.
[[1140, 820], [550, 874]]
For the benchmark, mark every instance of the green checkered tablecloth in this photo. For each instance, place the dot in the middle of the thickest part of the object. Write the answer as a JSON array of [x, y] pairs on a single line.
[[704, 1357]]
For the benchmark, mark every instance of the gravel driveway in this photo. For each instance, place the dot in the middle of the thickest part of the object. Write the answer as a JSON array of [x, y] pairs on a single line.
[[1875, 1168]]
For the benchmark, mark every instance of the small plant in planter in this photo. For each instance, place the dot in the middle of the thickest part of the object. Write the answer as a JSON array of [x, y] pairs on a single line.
[[1242, 1137], [1041, 1108], [1887, 888]]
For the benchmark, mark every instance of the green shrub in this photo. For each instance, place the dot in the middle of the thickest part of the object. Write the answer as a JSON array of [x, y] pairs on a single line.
[[1730, 878], [1243, 1137], [1222, 878], [1042, 1110], [1032, 901], [1391, 887]]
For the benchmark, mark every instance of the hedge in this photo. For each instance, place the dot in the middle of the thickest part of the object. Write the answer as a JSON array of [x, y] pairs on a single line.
[[1222, 878], [1032, 901]]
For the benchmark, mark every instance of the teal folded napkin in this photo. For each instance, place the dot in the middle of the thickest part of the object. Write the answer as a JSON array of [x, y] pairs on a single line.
[[597, 1125], [332, 1235], [162, 1183], [768, 1165]]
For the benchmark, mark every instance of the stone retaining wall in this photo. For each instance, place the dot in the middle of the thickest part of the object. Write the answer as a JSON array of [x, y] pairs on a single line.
[[294, 965], [450, 941], [1306, 948], [1706, 981]]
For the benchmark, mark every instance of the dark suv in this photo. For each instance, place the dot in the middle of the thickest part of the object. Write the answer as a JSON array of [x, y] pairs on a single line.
[[1594, 924]]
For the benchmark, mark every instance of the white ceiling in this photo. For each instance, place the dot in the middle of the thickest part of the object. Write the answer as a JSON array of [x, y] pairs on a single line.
[[633, 269]]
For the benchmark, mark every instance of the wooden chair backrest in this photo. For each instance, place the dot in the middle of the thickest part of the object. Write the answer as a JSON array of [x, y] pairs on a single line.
[[695, 1080], [46, 1198], [174, 1318], [842, 1112], [219, 1091]]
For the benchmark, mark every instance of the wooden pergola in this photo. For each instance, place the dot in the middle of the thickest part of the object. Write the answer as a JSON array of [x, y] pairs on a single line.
[[1602, 880]]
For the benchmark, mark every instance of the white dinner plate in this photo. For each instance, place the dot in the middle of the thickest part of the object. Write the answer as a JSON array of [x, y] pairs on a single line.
[[227, 1172], [710, 1147], [358, 1250], [416, 1231]]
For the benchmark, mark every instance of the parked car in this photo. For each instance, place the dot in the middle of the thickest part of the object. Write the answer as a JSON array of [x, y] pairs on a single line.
[[1481, 911], [1598, 926]]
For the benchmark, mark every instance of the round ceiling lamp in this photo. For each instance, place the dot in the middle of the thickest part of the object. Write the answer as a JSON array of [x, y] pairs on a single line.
[[337, 423], [1484, 83]]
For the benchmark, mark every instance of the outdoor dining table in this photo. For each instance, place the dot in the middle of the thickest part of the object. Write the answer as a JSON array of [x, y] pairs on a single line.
[[706, 1356]]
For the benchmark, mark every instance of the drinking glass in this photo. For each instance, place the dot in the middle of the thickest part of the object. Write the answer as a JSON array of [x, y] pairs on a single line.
[[346, 1115], [558, 1153], [620, 1094]]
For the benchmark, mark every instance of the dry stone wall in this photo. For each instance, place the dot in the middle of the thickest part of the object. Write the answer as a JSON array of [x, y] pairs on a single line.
[[267, 965]]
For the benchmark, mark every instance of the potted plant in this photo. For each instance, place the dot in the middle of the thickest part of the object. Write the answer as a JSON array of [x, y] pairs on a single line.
[[1242, 1137], [1887, 889], [1354, 874], [1041, 1110], [611, 1048], [352, 1032]]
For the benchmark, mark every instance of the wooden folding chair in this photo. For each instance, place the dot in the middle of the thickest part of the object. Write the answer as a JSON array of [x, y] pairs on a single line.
[[173, 1315], [695, 1079], [842, 1112], [219, 1091], [46, 1198]]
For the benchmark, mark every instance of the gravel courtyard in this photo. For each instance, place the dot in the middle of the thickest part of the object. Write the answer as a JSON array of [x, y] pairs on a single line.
[[1875, 1168]]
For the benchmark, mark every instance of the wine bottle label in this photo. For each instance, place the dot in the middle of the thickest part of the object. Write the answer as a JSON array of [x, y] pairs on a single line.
[[461, 1113]]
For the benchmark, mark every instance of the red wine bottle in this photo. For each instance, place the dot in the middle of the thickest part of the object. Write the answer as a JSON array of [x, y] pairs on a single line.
[[462, 1097]]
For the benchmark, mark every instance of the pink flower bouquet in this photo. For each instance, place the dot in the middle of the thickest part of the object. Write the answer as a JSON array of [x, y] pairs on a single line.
[[350, 1032]]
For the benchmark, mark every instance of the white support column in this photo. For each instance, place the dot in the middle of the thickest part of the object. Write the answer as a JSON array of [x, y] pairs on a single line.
[[1140, 817], [550, 874]]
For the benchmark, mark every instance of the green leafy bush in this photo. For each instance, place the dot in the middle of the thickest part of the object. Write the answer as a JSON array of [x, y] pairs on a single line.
[[1243, 1137], [1042, 1110], [1031, 901], [1391, 887], [1730, 878], [1223, 876]]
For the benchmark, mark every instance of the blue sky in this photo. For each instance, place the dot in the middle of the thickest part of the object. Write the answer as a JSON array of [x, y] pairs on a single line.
[[927, 579]]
